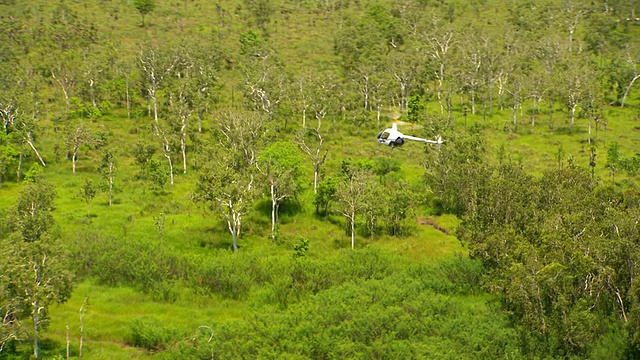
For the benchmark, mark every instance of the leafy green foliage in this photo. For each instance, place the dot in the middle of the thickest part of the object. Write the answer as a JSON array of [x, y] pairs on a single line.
[[300, 249], [456, 170], [325, 194], [8, 154], [144, 7], [563, 264], [544, 244], [158, 173], [616, 162], [33, 273], [151, 334], [107, 169], [143, 153], [31, 215], [87, 193], [392, 315]]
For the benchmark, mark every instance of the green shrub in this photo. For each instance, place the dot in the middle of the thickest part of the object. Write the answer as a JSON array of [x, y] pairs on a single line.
[[224, 274], [151, 334]]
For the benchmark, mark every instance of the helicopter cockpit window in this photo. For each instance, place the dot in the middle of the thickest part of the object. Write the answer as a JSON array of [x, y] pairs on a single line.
[[383, 135]]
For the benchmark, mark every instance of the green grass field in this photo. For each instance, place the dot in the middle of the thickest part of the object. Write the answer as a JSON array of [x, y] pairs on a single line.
[[305, 41]]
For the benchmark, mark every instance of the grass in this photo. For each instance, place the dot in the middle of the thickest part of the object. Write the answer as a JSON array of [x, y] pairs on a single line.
[[305, 41], [107, 322], [190, 229]]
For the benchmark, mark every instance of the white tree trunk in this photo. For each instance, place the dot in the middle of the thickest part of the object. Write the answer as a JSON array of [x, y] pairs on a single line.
[[64, 91], [234, 237], [35, 316], [183, 149], [168, 156], [273, 213], [19, 170], [155, 109], [34, 149], [573, 115], [110, 188], [74, 157], [234, 227], [626, 92], [304, 118], [353, 232]]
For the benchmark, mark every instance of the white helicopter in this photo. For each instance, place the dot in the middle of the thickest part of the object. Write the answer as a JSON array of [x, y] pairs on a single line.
[[392, 137]]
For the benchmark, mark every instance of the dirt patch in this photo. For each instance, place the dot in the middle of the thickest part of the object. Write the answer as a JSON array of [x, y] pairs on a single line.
[[433, 224]]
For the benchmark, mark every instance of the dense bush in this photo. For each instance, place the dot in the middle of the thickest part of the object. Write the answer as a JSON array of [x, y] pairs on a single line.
[[396, 316], [151, 334]]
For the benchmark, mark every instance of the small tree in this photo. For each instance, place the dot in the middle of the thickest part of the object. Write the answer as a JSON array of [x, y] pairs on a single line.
[[108, 171], [143, 154], [325, 194], [228, 190], [227, 183], [351, 192], [32, 276], [159, 175], [88, 193], [77, 135], [31, 216], [314, 152], [32, 271], [280, 165], [144, 7]]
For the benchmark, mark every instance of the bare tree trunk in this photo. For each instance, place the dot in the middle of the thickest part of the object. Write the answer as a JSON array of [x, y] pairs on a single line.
[[19, 170], [68, 342], [304, 118], [83, 309], [315, 178], [626, 92], [473, 101], [183, 149], [30, 142], [92, 91], [234, 237], [65, 92], [155, 109], [353, 230], [74, 157], [624, 314], [110, 190], [168, 156], [573, 116], [35, 316], [439, 93], [273, 214]]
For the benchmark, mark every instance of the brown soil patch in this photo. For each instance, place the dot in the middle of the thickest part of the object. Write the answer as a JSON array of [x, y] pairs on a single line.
[[433, 224]]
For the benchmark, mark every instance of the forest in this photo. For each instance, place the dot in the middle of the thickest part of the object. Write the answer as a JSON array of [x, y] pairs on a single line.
[[192, 179]]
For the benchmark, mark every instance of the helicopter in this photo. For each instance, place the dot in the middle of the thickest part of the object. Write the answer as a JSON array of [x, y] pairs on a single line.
[[394, 138]]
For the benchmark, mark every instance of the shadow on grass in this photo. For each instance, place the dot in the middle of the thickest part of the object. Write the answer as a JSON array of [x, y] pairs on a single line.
[[219, 239], [566, 130], [48, 349], [288, 207]]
